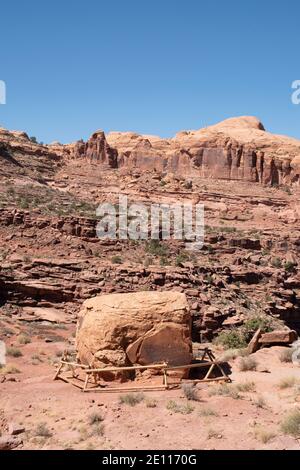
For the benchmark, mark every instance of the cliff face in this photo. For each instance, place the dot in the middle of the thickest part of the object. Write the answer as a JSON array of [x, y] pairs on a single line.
[[96, 149], [235, 149]]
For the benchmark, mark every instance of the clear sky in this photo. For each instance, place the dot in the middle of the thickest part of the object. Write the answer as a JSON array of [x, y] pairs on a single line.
[[150, 66]]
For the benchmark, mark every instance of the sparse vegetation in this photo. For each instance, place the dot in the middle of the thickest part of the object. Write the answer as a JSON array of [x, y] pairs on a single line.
[[208, 412], [232, 339], [287, 382], [232, 354], [9, 369], [246, 387], [24, 339], [225, 390], [116, 260], [36, 358], [260, 402], [42, 430], [190, 392], [286, 355], [151, 403], [276, 263], [182, 257], [132, 399], [182, 409], [213, 434], [247, 364], [97, 430], [157, 248], [257, 322], [289, 266], [263, 435], [14, 352], [95, 418], [291, 424]]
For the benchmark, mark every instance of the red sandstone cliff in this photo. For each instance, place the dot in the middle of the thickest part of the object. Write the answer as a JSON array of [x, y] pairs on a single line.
[[235, 149]]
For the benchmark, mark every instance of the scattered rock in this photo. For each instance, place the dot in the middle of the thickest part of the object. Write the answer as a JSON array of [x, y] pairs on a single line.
[[15, 429], [9, 443]]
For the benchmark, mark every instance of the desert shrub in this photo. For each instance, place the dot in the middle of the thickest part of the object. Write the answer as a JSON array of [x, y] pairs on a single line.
[[276, 263], [190, 392], [37, 358], [156, 248], [24, 339], [228, 229], [116, 260], [132, 399], [246, 387], [238, 338], [231, 339], [260, 402], [255, 323], [182, 409], [213, 434], [97, 430], [181, 258], [264, 436], [208, 412], [247, 364], [9, 369], [291, 424], [14, 352], [232, 354], [163, 261], [95, 418], [287, 382], [286, 355], [289, 266], [224, 390], [42, 430], [151, 403]]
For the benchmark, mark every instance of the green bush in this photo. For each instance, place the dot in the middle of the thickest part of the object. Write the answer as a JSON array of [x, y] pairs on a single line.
[[156, 248], [255, 323], [232, 339], [289, 266], [181, 258]]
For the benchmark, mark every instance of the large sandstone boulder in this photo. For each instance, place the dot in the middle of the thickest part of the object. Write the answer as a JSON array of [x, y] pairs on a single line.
[[137, 328]]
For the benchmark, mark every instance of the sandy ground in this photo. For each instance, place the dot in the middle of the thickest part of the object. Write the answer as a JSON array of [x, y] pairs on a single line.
[[63, 414]]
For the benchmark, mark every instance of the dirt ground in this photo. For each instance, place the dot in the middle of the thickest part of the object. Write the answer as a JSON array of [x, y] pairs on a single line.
[[56, 415]]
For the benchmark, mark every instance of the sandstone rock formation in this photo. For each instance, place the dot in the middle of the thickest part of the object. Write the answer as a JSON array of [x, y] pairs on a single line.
[[136, 328], [96, 149], [235, 149]]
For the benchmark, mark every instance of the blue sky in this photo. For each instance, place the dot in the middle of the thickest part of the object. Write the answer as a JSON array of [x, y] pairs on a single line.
[[154, 67]]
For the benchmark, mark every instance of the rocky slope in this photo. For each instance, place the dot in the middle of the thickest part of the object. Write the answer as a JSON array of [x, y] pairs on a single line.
[[51, 259]]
